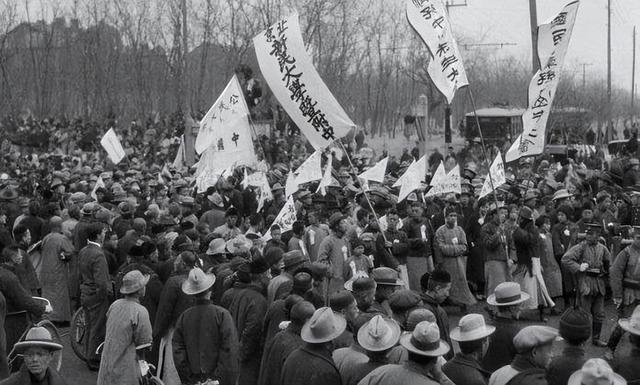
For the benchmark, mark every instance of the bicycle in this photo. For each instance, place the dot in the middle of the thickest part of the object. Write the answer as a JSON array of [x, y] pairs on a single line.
[[24, 318], [77, 333]]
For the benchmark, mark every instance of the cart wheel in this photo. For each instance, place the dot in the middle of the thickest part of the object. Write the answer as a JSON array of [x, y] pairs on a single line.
[[78, 332]]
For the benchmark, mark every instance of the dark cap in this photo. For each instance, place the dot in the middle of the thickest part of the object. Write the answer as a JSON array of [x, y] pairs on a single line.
[[340, 300], [575, 325], [403, 300]]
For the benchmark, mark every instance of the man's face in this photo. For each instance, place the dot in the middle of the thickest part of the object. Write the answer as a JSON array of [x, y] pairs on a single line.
[[37, 360], [313, 219], [562, 218], [358, 251], [587, 215], [276, 235], [231, 220], [392, 221], [415, 211], [542, 355], [369, 244], [502, 216], [593, 236], [343, 226], [442, 292], [451, 219], [464, 199]]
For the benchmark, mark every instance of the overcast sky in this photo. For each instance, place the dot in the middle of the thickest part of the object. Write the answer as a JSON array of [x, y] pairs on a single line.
[[507, 21]]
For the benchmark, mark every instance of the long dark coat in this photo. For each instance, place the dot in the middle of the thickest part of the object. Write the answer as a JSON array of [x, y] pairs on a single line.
[[463, 369], [276, 352], [310, 365], [563, 366]]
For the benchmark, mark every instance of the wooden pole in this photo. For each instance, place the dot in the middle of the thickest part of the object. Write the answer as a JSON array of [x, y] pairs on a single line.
[[533, 21], [633, 72]]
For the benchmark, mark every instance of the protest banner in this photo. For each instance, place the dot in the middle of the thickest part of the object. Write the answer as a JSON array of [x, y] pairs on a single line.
[[445, 68], [327, 178], [553, 42], [112, 146], [377, 172], [285, 218], [294, 81], [497, 179], [412, 178]]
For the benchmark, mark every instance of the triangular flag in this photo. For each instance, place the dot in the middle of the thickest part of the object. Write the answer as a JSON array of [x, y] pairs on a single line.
[[112, 146], [496, 175], [310, 170], [376, 173], [326, 178], [453, 183], [99, 183], [412, 178], [437, 181], [165, 172], [285, 218], [160, 179], [291, 186], [265, 193]]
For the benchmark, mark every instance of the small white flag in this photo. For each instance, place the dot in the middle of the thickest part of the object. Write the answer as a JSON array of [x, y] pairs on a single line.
[[285, 218], [453, 183], [112, 146], [437, 181], [412, 178], [178, 162], [376, 173], [326, 178], [99, 183], [496, 175], [310, 170], [265, 192], [291, 186]]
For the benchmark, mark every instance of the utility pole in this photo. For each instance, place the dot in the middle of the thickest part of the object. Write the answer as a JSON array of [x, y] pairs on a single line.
[[633, 72], [533, 21], [609, 107]]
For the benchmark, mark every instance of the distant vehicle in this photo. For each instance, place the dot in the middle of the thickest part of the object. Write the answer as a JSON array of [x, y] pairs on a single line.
[[498, 124], [617, 146]]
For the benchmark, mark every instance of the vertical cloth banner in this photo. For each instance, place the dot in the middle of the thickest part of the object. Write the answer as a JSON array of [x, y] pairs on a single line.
[[430, 20], [412, 178], [376, 173], [327, 177], [291, 76], [553, 42], [112, 146], [497, 176], [225, 127]]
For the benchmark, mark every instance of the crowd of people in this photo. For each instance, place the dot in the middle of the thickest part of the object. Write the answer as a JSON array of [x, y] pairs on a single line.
[[206, 288]]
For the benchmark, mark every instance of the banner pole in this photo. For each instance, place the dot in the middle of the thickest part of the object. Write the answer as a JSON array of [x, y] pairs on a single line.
[[353, 168], [484, 153]]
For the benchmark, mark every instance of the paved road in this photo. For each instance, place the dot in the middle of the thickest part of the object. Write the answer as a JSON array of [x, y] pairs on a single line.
[[76, 372]]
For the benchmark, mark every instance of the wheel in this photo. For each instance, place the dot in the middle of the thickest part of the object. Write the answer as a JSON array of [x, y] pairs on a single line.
[[77, 333], [55, 336]]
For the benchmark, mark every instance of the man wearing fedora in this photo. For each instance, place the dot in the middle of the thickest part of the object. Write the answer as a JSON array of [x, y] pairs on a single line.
[[534, 345], [293, 260], [205, 342], [128, 334], [387, 282], [627, 366], [312, 364], [424, 348], [472, 335], [37, 349], [597, 371], [377, 337], [507, 298], [589, 262]]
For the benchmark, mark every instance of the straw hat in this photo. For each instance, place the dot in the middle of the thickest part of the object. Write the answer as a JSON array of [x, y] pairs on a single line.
[[323, 326], [596, 371], [386, 276], [239, 243], [197, 282], [471, 327], [133, 281], [632, 324], [425, 340], [507, 294], [379, 334], [217, 246], [37, 337], [561, 194]]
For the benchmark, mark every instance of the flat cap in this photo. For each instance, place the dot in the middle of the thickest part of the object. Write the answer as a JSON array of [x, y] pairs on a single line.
[[533, 336]]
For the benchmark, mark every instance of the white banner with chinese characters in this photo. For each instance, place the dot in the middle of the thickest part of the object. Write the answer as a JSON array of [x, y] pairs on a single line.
[[496, 176], [226, 128], [112, 146], [294, 81], [430, 20], [265, 192], [445, 182], [285, 218], [553, 42]]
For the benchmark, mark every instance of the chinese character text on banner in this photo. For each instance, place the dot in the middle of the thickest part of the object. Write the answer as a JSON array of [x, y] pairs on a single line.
[[429, 18], [553, 41], [296, 84]]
